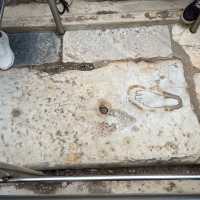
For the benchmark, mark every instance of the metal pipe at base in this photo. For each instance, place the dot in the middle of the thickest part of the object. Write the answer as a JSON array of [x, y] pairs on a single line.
[[103, 178], [56, 16], [21, 170], [105, 197], [195, 26], [2, 6]]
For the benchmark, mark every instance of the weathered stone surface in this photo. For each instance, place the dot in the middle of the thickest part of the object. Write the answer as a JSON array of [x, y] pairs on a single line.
[[116, 44], [197, 85], [124, 113], [35, 48], [92, 14], [96, 188], [189, 41]]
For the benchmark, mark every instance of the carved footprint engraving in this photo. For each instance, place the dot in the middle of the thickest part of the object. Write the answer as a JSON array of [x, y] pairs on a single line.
[[152, 99]]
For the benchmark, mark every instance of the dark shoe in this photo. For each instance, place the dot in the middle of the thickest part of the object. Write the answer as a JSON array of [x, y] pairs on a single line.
[[191, 12]]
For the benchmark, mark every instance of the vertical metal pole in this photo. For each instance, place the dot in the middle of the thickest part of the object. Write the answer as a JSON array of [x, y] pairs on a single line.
[[195, 26], [2, 5], [23, 170], [56, 16]]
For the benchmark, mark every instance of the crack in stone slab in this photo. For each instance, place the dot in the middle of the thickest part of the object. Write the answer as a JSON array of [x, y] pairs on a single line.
[[189, 71]]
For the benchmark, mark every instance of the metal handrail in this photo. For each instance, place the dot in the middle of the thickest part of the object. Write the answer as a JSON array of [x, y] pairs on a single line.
[[54, 11], [195, 26], [6, 169], [2, 10], [56, 16], [103, 178]]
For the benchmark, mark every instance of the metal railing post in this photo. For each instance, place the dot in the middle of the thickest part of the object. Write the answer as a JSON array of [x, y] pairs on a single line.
[[56, 16], [195, 26], [2, 5], [7, 168]]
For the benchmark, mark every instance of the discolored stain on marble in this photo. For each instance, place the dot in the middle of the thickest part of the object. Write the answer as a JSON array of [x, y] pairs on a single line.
[[16, 112], [33, 48]]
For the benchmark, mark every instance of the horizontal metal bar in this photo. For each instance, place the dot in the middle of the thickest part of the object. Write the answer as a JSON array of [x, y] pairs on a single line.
[[23, 170], [106, 197], [103, 178]]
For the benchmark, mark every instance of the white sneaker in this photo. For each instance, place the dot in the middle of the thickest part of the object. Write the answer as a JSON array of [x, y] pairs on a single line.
[[6, 54]]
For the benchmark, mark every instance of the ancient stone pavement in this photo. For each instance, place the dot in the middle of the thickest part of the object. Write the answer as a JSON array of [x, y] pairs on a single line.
[[120, 96]]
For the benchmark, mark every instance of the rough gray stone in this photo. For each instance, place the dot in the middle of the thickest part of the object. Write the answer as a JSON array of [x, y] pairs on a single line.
[[87, 14], [189, 42], [35, 48], [116, 44], [111, 187], [197, 85], [124, 113]]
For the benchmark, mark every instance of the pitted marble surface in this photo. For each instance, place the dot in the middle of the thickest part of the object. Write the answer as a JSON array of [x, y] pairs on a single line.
[[116, 44], [93, 117]]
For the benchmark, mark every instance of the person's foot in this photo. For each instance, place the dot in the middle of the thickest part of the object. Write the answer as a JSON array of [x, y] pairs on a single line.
[[191, 12], [6, 54]]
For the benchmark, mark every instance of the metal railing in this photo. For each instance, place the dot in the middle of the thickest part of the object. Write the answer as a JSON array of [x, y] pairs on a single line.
[[2, 6], [105, 197], [101, 178], [15, 174], [54, 11], [56, 16]]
